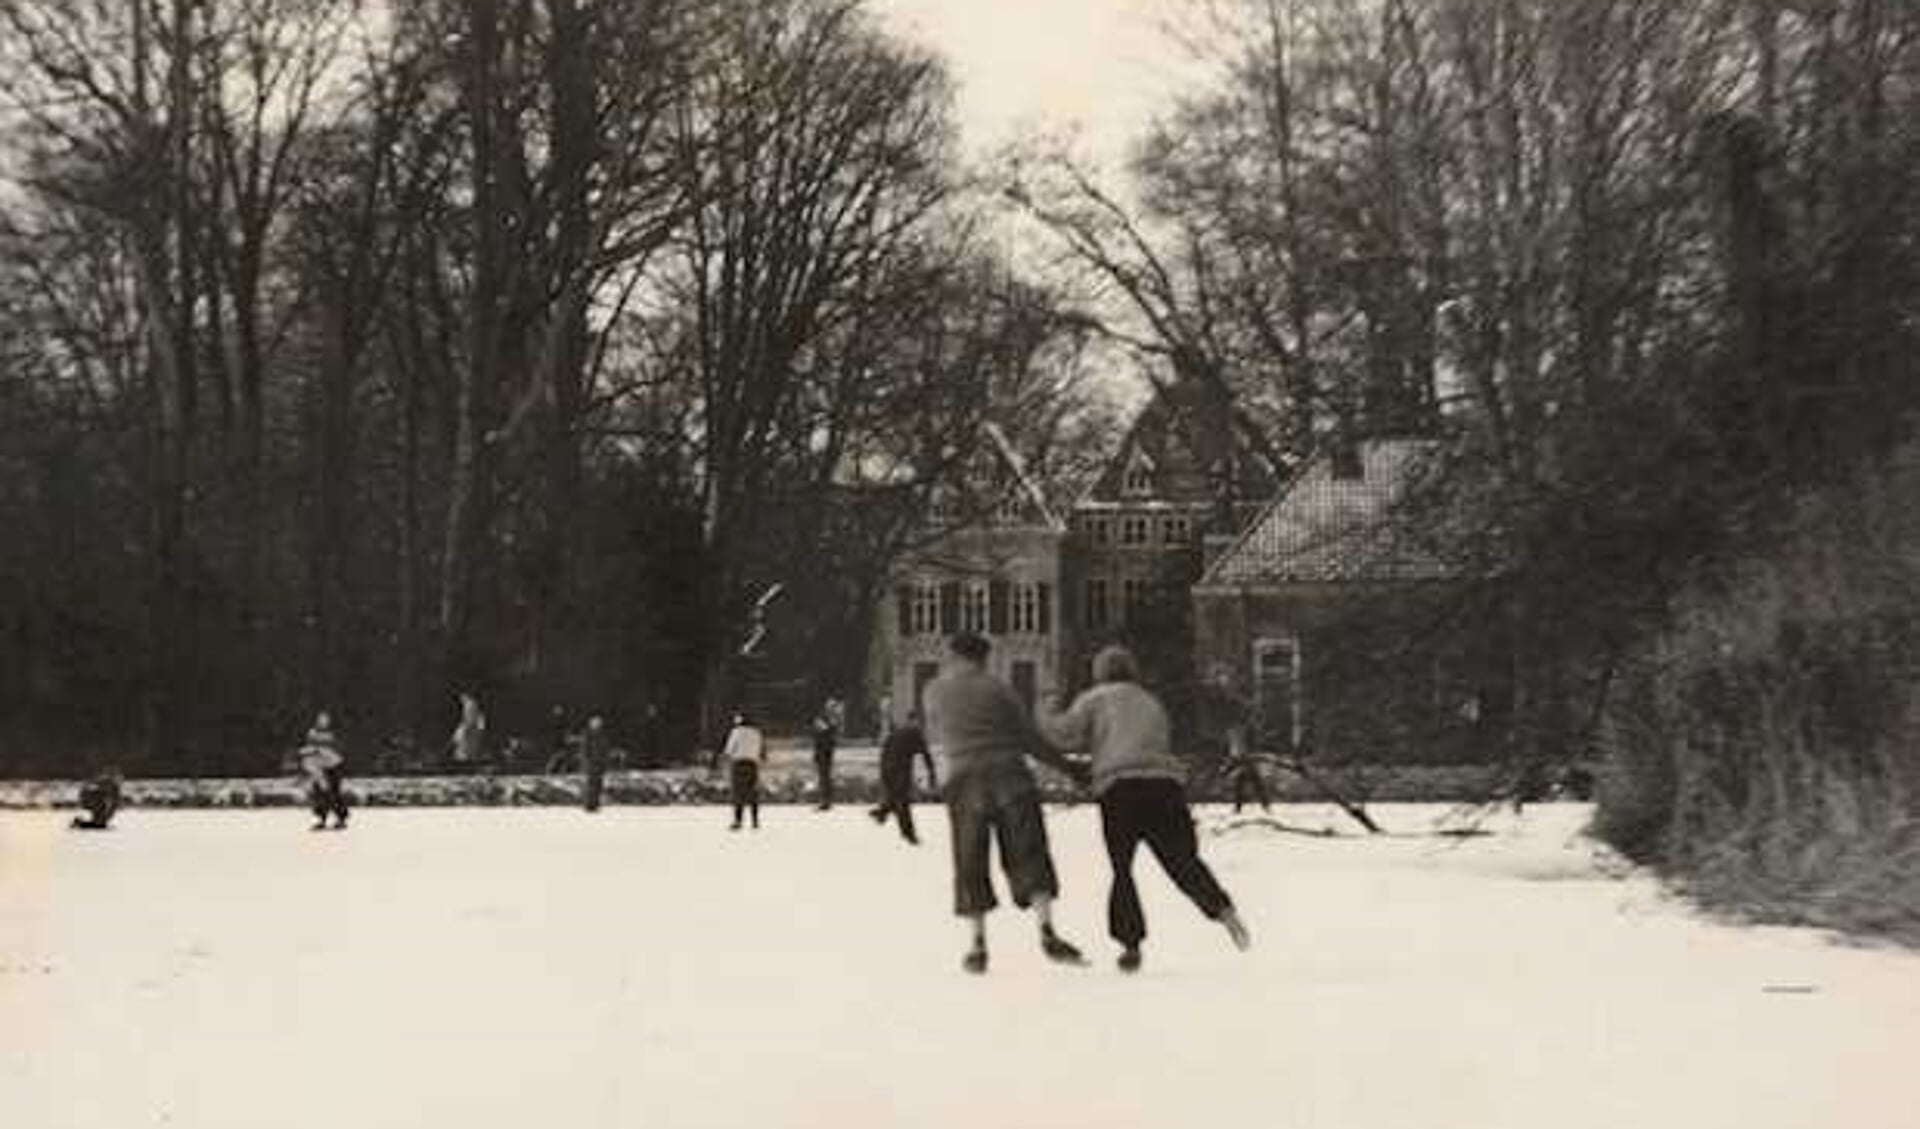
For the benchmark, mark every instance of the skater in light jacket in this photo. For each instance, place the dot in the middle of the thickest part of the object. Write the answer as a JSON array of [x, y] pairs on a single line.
[[1141, 786]]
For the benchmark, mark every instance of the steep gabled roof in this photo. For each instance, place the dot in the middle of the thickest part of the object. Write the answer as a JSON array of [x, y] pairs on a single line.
[[1328, 528], [1192, 441]]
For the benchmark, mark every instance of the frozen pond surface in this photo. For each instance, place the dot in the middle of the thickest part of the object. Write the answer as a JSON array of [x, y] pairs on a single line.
[[534, 968]]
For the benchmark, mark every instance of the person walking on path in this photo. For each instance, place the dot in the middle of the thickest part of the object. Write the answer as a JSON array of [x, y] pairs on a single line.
[[593, 761], [826, 738], [986, 735], [100, 798], [325, 771], [1141, 787], [745, 753], [903, 744]]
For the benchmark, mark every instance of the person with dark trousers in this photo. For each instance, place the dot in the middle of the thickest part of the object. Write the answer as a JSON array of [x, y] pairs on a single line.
[[1243, 771], [593, 761], [897, 753], [1141, 787], [324, 767], [745, 752], [100, 798], [826, 738], [986, 735]]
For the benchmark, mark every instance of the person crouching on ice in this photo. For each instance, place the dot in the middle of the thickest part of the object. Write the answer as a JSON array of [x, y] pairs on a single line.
[[903, 745], [1141, 786], [100, 797], [323, 766], [746, 754], [986, 735]]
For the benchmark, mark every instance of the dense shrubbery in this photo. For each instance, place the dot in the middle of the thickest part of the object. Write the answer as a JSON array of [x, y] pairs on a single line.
[[1766, 749]]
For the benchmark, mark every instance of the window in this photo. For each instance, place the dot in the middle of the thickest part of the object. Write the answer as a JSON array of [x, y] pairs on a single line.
[[925, 617], [1133, 593], [1012, 509], [1099, 530], [973, 608], [1026, 609], [1133, 530], [1174, 531], [1276, 674], [1139, 477], [1096, 610]]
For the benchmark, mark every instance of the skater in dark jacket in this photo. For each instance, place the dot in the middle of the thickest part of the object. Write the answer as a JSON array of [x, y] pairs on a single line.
[[100, 797], [897, 754], [1142, 790], [1243, 771], [826, 738], [593, 761], [324, 768]]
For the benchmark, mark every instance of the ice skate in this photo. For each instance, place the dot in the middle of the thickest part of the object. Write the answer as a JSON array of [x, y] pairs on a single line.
[[976, 959], [1129, 959], [1237, 930], [1058, 950]]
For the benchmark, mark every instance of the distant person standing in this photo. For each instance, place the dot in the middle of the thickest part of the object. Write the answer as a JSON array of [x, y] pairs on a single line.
[[469, 740], [826, 738], [1243, 771], [745, 754], [986, 735], [593, 761], [903, 745], [99, 798], [1141, 786], [324, 768]]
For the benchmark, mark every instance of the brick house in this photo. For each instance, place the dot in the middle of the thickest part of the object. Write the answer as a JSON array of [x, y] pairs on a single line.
[[1049, 592], [991, 565], [1338, 622]]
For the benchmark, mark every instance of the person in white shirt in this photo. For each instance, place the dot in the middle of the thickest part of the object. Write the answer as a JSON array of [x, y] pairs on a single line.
[[321, 762], [746, 754]]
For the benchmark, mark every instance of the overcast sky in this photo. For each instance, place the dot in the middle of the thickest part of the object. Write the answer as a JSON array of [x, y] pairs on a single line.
[[1101, 66]]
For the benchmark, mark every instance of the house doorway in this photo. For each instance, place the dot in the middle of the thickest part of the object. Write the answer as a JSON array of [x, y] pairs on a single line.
[[1276, 688]]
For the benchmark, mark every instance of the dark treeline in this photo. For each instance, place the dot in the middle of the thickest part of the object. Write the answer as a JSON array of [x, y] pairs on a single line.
[[1647, 268], [356, 355]]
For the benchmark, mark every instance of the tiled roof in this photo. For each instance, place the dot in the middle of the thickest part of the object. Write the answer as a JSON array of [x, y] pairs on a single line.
[[1325, 528]]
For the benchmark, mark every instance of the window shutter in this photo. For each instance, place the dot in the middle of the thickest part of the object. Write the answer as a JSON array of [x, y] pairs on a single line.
[[903, 604], [997, 607], [949, 607], [1046, 608]]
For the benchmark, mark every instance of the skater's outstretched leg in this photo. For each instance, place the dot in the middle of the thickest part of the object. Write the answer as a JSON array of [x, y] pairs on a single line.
[[1168, 829]]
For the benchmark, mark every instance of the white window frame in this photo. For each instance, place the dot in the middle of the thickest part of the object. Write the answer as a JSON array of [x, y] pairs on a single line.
[[1295, 695], [1024, 613], [1176, 530], [924, 610], [973, 607], [1135, 531]]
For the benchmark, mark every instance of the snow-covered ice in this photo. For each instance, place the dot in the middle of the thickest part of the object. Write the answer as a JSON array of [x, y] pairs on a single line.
[[473, 968]]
